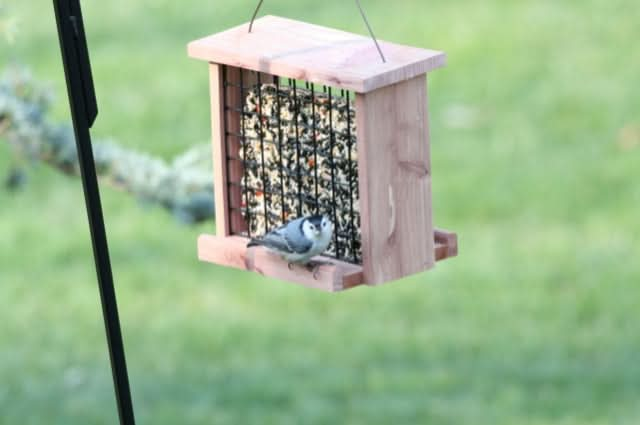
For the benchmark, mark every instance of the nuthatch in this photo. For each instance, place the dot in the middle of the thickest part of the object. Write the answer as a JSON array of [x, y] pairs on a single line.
[[298, 240]]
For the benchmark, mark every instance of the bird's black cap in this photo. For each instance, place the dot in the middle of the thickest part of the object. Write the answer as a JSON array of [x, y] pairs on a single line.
[[316, 220]]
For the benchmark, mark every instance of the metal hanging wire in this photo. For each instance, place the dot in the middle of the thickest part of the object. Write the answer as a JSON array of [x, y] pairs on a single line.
[[366, 21], [255, 13], [364, 18]]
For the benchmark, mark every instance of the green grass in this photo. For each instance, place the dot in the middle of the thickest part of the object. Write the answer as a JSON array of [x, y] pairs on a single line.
[[536, 153]]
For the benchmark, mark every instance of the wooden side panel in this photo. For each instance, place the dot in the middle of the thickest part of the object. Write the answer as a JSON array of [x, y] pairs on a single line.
[[395, 181]]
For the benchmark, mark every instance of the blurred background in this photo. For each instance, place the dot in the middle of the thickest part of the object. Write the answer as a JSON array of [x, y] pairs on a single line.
[[536, 162]]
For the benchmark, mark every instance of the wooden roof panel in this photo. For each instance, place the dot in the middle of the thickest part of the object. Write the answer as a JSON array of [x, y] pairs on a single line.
[[317, 54]]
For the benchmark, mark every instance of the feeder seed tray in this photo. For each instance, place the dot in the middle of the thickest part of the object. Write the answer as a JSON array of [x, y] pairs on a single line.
[[307, 120]]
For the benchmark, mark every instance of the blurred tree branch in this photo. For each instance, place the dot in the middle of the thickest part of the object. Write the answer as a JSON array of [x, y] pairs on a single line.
[[183, 186]]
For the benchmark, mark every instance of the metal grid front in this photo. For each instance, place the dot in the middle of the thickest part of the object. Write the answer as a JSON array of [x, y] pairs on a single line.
[[295, 144]]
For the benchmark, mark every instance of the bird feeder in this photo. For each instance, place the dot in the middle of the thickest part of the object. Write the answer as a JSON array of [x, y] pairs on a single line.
[[307, 120]]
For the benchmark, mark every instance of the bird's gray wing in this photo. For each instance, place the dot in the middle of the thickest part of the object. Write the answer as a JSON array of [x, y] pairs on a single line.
[[287, 238], [275, 240], [294, 237]]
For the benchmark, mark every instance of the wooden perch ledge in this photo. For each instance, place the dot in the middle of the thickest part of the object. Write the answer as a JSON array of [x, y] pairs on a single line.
[[232, 251]]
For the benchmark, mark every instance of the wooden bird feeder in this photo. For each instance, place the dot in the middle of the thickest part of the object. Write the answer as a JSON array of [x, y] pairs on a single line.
[[307, 119]]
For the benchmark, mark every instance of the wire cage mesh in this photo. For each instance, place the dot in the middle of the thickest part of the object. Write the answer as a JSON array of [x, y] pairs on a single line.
[[291, 152]]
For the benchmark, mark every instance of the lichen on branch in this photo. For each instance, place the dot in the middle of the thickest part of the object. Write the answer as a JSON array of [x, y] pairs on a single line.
[[183, 186]]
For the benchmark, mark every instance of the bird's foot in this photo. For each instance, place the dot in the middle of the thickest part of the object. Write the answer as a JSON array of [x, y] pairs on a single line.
[[314, 267]]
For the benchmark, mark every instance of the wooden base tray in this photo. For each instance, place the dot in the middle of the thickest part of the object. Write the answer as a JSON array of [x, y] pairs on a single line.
[[232, 251]]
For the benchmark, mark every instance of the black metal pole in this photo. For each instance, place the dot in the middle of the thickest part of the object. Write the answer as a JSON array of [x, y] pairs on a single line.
[[84, 110]]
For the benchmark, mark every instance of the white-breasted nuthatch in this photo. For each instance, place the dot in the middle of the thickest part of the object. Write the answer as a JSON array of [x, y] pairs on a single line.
[[298, 240]]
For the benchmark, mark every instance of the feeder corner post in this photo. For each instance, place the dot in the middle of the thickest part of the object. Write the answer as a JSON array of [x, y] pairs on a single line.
[[395, 181], [226, 103], [218, 145]]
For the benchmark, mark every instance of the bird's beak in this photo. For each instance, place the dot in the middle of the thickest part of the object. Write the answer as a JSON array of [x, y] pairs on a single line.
[[317, 233]]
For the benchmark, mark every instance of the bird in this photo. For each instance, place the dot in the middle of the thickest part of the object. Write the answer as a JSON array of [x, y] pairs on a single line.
[[299, 240]]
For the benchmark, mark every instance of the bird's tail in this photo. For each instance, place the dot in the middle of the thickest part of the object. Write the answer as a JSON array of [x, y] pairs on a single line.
[[254, 242]]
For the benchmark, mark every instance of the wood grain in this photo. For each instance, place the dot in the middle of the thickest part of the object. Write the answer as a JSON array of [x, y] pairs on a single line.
[[395, 181], [294, 49]]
